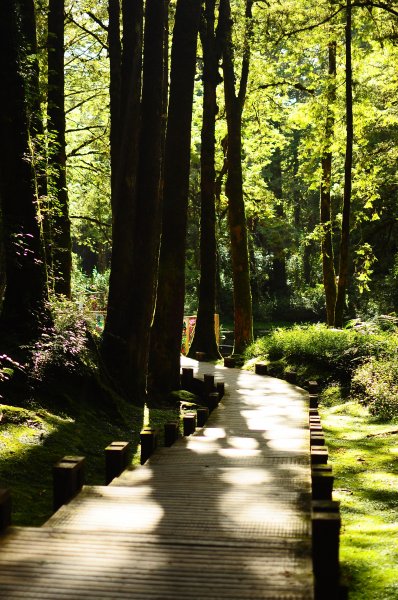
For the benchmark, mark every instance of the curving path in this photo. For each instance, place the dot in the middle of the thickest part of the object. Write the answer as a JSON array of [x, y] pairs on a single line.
[[223, 514]]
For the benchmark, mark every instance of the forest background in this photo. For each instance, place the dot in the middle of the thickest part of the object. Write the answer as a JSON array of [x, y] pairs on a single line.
[[167, 158]]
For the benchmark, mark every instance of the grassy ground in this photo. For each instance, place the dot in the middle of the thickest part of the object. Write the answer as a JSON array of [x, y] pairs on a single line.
[[34, 437], [364, 457]]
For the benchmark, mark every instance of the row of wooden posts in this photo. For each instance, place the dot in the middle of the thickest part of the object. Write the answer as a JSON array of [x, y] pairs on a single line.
[[69, 472], [325, 513]]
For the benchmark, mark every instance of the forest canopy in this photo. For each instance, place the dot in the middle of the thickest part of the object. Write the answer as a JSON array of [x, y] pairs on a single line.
[[223, 156]]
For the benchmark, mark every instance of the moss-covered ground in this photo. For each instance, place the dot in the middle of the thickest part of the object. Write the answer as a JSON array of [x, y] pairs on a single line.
[[364, 455], [34, 436]]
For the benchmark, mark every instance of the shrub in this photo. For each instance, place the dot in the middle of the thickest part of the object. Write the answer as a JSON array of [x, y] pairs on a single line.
[[332, 395], [375, 384], [333, 349], [64, 344]]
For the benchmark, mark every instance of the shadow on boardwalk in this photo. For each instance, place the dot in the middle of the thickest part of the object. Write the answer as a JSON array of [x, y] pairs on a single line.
[[222, 514]]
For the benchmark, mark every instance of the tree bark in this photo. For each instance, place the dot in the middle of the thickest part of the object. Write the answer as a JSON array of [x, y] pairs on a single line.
[[167, 329], [116, 345], [243, 319], [60, 244], [148, 215], [329, 275], [25, 293], [115, 64], [345, 226], [204, 338]]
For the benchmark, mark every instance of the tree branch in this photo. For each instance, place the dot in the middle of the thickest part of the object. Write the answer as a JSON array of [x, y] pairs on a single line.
[[94, 35], [91, 220], [246, 54], [98, 21]]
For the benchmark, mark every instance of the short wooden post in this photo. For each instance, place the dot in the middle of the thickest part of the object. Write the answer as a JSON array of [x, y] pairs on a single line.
[[170, 433], [117, 456], [5, 509], [316, 427], [189, 423], [325, 506], [229, 362], [261, 368], [208, 381], [213, 401], [319, 455], [313, 401], [325, 553], [202, 414], [321, 468], [220, 387], [291, 376], [317, 439], [187, 378], [200, 356], [68, 479], [148, 439], [313, 387], [322, 485]]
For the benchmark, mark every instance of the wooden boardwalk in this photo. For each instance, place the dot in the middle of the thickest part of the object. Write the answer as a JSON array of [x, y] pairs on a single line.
[[222, 515]]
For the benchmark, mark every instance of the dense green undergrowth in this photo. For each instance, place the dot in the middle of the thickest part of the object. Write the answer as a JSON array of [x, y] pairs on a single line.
[[361, 361]]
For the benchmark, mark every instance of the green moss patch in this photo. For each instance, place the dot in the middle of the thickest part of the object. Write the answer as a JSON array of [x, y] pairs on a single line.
[[364, 456]]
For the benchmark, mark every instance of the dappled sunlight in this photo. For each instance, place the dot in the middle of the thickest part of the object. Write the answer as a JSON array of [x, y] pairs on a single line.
[[134, 509], [202, 445], [241, 477], [288, 445], [380, 480], [238, 452], [214, 433], [243, 443], [255, 419]]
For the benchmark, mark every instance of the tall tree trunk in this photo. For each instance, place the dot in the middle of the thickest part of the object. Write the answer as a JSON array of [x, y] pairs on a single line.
[[116, 346], [329, 275], [148, 215], [25, 293], [115, 65], [167, 329], [37, 141], [345, 225], [204, 338], [61, 246], [243, 319]]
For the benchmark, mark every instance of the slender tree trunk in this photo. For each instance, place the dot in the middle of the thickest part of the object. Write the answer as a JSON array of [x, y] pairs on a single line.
[[37, 141], [329, 275], [2, 261], [148, 215], [345, 226], [243, 319], [115, 64], [25, 293], [204, 337], [61, 246], [116, 347], [167, 329]]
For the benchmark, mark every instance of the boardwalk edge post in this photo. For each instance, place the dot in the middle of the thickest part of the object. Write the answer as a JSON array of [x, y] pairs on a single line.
[[117, 456], [68, 479], [5, 509]]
